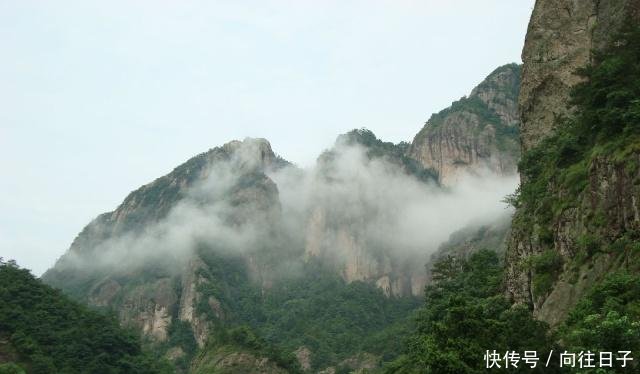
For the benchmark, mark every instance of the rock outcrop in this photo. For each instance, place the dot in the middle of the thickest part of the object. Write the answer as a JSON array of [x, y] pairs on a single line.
[[230, 360], [477, 133], [358, 259], [562, 38]]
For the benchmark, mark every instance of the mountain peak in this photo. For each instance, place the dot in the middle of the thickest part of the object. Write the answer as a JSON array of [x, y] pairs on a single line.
[[476, 133], [251, 153], [499, 91]]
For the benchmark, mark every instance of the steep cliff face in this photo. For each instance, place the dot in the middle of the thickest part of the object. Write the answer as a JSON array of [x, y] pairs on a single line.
[[477, 133], [561, 37], [356, 258], [347, 207], [585, 215]]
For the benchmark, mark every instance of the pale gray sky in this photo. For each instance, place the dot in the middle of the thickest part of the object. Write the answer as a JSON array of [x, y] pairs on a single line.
[[98, 98]]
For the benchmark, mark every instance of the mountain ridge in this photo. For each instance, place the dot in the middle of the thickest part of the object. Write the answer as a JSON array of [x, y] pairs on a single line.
[[206, 246]]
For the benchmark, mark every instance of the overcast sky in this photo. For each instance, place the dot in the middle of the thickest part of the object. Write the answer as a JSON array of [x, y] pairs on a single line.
[[98, 98]]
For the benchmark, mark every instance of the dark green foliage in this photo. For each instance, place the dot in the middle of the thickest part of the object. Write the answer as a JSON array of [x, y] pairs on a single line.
[[334, 319], [180, 335], [446, 269], [609, 101], [464, 315], [52, 334], [608, 319], [390, 342], [316, 309], [229, 283], [589, 244], [546, 266], [11, 368], [243, 338]]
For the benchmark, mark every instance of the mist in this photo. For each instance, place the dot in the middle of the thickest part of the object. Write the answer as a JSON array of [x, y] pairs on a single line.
[[244, 206], [393, 210]]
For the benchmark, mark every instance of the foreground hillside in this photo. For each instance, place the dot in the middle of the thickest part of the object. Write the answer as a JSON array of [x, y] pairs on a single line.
[[43, 331]]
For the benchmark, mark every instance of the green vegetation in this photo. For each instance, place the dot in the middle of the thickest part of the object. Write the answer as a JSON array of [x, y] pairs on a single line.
[[471, 104], [49, 333], [605, 123], [464, 315], [546, 266], [465, 312], [11, 368], [243, 339], [475, 237], [316, 309], [608, 319], [180, 335], [604, 129], [511, 91], [332, 318]]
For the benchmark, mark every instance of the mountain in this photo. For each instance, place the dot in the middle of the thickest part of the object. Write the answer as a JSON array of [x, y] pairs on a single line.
[[577, 210], [476, 133], [210, 247], [239, 260]]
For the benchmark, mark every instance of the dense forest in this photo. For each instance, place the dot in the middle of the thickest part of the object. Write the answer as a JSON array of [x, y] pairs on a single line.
[[43, 331], [317, 310], [466, 314]]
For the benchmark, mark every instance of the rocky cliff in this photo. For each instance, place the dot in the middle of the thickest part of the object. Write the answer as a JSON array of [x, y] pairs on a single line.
[[342, 236], [478, 133], [561, 38], [584, 214]]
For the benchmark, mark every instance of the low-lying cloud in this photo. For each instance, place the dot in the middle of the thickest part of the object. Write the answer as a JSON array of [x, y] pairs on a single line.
[[373, 199]]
